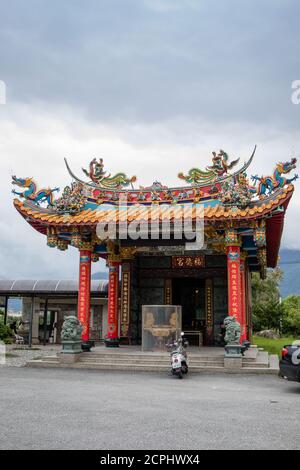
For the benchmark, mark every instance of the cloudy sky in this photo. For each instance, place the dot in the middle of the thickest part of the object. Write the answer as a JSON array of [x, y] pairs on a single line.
[[152, 86]]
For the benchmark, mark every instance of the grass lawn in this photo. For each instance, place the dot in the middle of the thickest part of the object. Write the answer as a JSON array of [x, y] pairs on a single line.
[[273, 346]]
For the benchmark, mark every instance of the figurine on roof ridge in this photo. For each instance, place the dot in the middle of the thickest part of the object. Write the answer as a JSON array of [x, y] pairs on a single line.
[[98, 175], [220, 167]]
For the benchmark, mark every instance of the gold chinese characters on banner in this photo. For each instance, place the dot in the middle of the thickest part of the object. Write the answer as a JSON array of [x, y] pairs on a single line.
[[188, 261], [209, 303], [125, 303]]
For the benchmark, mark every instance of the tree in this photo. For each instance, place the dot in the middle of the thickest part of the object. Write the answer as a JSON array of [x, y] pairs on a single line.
[[267, 308], [265, 290], [291, 318]]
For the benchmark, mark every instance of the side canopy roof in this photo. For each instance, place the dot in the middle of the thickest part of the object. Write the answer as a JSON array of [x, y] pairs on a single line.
[[54, 287]]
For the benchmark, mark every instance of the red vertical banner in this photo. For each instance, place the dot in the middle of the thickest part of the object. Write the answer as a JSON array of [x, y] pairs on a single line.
[[234, 282], [113, 307], [125, 299], [243, 301], [209, 324], [84, 293]]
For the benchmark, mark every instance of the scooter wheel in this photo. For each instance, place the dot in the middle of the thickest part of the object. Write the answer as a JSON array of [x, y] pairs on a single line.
[[180, 376]]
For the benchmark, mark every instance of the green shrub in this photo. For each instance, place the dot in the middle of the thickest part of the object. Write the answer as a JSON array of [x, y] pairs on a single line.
[[6, 334]]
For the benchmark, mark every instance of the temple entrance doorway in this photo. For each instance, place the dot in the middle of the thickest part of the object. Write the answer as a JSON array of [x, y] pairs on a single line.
[[190, 294]]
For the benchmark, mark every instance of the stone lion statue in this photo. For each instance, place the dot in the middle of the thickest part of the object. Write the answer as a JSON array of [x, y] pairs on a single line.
[[71, 329], [233, 331]]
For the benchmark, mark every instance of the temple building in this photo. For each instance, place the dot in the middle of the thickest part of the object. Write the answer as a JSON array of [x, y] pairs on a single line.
[[194, 245]]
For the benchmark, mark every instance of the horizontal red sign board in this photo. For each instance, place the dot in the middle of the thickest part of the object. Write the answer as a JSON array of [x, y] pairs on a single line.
[[188, 261]]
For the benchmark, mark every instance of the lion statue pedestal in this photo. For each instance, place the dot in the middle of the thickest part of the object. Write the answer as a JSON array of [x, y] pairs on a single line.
[[233, 348], [71, 340]]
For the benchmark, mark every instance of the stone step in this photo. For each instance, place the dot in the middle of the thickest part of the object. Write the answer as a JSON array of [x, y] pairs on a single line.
[[86, 357], [198, 361], [153, 361], [141, 361], [146, 367], [117, 366], [249, 360], [50, 358], [274, 362], [258, 362], [253, 365], [263, 356], [258, 370], [251, 353], [146, 356]]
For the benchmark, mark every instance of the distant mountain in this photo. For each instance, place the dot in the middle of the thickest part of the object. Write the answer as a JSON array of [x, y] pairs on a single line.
[[290, 265]]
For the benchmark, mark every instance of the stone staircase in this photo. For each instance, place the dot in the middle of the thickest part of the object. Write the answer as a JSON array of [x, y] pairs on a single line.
[[255, 361]]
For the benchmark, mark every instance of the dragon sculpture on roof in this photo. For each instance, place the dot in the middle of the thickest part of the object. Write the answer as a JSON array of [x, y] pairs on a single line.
[[267, 184], [31, 193]]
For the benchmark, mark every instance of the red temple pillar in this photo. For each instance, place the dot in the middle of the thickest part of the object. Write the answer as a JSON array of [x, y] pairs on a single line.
[[234, 275], [112, 339], [249, 305], [84, 293], [243, 299]]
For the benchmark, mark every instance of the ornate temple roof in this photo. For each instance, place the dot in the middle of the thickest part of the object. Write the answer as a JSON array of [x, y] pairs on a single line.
[[228, 200]]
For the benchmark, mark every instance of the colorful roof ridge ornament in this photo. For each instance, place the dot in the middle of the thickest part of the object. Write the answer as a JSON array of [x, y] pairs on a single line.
[[216, 172], [100, 177], [220, 166], [31, 193], [267, 184], [237, 192], [71, 201]]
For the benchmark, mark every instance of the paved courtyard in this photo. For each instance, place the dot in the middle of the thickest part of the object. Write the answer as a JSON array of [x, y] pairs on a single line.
[[18, 356], [72, 409]]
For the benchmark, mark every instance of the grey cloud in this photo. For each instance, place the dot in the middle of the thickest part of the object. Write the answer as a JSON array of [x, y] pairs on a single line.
[[144, 61]]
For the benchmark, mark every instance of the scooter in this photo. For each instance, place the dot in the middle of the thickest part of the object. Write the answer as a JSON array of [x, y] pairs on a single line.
[[179, 362]]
